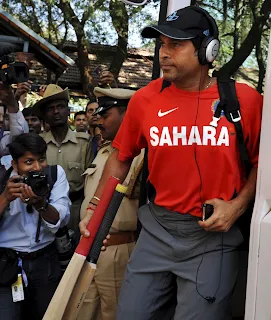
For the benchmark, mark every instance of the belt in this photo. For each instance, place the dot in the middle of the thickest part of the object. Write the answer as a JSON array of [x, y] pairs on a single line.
[[35, 254], [76, 195], [121, 237]]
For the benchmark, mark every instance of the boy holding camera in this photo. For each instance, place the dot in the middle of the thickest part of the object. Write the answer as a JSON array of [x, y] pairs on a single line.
[[28, 223]]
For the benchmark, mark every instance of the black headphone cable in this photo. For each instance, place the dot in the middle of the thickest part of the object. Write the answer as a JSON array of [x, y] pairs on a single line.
[[209, 299]]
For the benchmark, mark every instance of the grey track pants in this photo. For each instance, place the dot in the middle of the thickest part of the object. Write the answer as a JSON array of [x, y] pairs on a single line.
[[175, 266]]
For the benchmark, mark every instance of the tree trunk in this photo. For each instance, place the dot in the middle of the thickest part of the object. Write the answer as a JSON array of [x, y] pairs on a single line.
[[50, 28], [237, 24], [82, 60], [253, 37], [261, 65], [120, 21], [83, 64]]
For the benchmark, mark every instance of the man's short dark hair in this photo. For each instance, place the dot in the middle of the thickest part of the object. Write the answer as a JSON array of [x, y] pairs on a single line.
[[27, 142], [79, 113], [30, 112], [91, 100]]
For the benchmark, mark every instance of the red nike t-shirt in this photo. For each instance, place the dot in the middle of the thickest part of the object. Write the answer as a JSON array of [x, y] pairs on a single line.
[[189, 160]]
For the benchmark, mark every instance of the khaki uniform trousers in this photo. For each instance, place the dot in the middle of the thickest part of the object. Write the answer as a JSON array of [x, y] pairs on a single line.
[[102, 297]]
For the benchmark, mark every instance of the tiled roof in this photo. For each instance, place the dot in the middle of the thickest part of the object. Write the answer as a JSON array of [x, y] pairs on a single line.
[[136, 71]]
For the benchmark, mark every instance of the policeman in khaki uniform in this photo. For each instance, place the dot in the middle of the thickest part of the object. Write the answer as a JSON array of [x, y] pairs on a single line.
[[64, 147], [101, 300]]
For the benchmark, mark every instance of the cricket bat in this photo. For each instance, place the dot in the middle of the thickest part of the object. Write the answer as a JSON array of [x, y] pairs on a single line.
[[85, 278], [63, 292]]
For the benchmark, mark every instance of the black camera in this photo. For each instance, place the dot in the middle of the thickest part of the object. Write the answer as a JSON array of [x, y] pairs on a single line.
[[10, 71], [65, 246], [13, 72], [38, 181]]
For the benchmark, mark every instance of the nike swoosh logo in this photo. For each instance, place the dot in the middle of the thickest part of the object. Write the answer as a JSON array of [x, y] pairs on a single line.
[[162, 114]]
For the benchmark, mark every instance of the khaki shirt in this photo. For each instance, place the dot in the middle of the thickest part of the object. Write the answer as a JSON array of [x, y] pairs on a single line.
[[126, 218], [74, 155]]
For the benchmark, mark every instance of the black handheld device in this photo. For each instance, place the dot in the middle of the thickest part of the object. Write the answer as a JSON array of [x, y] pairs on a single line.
[[98, 70], [35, 87], [207, 211]]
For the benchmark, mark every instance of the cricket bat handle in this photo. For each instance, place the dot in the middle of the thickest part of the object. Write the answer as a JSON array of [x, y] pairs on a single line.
[[106, 223]]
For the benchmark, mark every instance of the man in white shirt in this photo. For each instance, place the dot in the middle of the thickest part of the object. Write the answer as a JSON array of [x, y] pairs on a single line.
[[29, 219]]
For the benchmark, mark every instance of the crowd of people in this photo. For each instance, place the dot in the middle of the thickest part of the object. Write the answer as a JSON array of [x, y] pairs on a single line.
[[52, 179]]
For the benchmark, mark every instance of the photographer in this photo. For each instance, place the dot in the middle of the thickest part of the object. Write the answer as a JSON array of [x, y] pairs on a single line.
[[28, 223]]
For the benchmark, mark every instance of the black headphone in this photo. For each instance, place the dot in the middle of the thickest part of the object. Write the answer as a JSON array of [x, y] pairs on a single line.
[[209, 47]]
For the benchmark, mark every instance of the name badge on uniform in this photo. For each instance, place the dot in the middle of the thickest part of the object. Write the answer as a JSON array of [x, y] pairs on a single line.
[[17, 289]]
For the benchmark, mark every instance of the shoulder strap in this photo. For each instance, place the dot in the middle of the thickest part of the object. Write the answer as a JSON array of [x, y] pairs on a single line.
[[165, 84], [230, 105], [51, 172], [4, 179], [145, 170]]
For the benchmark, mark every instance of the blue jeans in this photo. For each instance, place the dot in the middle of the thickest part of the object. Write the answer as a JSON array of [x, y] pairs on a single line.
[[43, 274]]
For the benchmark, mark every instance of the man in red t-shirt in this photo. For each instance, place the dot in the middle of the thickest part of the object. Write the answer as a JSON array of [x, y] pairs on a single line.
[[191, 163]]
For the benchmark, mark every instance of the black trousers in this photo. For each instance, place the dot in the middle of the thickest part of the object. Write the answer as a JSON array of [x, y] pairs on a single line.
[[43, 274]]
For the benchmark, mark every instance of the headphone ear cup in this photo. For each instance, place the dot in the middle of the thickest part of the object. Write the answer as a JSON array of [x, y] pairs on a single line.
[[208, 50]]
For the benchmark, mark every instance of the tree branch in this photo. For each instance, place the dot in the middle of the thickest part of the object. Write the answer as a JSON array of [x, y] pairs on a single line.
[[253, 37]]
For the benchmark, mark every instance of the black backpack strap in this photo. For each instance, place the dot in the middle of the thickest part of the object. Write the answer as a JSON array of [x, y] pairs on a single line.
[[144, 187], [4, 179], [230, 105], [165, 84], [51, 172]]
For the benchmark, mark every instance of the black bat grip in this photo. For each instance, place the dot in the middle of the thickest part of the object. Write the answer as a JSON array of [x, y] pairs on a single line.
[[105, 226]]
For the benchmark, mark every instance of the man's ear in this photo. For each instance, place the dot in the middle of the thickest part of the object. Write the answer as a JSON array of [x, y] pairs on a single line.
[[14, 165], [196, 53]]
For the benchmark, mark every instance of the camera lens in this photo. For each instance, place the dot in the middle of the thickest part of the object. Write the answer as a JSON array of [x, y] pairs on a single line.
[[38, 182], [40, 188]]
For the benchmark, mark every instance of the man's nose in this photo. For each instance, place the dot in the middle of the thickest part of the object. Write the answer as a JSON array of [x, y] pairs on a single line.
[[56, 110], [164, 52], [36, 166]]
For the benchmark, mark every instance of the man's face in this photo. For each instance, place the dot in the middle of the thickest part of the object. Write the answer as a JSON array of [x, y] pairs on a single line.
[[33, 124], [178, 60], [29, 162], [92, 120], [80, 123], [110, 122], [57, 113]]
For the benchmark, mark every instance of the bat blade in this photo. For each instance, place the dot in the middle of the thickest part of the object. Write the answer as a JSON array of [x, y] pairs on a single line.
[[64, 290], [80, 290]]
